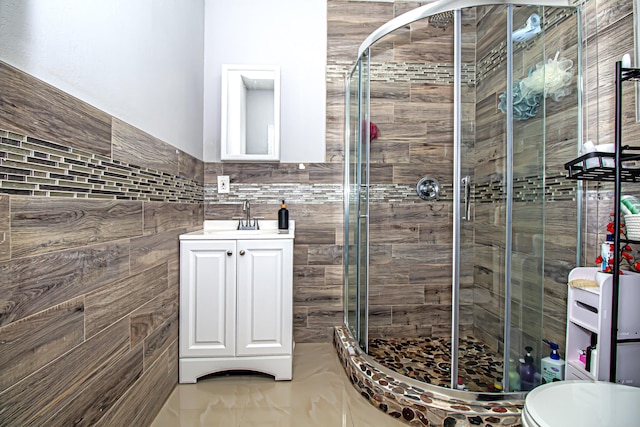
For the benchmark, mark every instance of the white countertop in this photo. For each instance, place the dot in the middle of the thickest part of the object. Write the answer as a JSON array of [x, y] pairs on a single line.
[[227, 230]]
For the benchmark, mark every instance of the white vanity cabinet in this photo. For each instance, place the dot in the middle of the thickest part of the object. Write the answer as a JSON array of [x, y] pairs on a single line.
[[235, 304]]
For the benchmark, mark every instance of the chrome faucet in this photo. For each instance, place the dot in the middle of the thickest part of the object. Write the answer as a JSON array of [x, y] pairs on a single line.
[[245, 223], [246, 206]]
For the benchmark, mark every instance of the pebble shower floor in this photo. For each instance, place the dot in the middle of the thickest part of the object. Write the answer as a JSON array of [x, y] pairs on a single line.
[[428, 360]]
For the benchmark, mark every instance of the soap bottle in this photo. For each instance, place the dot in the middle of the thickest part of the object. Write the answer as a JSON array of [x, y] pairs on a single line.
[[514, 378], [606, 253], [283, 218], [552, 366], [527, 371]]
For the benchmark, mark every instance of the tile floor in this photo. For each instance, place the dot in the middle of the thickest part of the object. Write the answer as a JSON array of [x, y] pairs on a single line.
[[320, 394]]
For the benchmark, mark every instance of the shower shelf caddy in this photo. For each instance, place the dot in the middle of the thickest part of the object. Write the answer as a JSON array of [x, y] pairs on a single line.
[[618, 167]]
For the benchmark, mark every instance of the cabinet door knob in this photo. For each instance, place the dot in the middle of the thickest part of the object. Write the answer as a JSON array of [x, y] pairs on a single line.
[[242, 252], [229, 253]]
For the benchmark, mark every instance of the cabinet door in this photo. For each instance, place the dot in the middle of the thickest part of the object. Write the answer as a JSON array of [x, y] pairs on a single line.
[[207, 298], [265, 276]]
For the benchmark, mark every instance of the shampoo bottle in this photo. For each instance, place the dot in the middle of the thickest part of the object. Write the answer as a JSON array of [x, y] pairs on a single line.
[[552, 366], [606, 253], [514, 378], [283, 218], [527, 371]]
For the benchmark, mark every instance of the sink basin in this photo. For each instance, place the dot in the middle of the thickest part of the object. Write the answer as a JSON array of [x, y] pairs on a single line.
[[222, 229]]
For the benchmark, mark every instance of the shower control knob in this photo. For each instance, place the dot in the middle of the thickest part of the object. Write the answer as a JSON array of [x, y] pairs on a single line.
[[428, 188]]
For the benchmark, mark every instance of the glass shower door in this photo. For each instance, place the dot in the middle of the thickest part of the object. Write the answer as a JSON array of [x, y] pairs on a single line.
[[356, 203]]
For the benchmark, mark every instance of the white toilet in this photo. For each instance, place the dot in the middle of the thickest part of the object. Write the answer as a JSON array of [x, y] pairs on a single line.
[[582, 404]]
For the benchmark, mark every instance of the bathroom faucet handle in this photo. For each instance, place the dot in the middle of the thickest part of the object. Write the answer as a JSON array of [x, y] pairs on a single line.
[[239, 218], [255, 221]]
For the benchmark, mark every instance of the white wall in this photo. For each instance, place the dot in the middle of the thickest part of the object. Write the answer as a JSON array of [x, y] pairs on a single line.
[[140, 61], [288, 33]]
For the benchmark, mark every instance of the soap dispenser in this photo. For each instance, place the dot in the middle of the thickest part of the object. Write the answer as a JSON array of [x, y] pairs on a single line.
[[283, 218], [527, 371], [552, 366]]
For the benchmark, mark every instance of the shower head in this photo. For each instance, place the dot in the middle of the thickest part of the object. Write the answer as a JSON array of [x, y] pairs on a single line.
[[441, 20]]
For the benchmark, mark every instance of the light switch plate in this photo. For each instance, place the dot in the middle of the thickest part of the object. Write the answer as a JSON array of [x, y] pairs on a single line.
[[223, 184]]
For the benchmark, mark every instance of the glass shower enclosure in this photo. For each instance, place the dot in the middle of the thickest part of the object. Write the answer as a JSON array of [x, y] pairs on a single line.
[[476, 104]]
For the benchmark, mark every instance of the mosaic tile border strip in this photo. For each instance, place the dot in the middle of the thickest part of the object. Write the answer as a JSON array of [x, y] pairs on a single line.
[[527, 189], [33, 167], [418, 405], [312, 194], [435, 73]]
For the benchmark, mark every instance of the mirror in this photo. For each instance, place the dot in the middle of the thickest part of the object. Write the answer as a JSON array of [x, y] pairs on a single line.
[[250, 113]]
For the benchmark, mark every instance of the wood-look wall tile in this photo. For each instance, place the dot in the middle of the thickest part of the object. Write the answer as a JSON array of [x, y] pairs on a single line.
[[428, 274], [190, 167], [32, 107], [325, 173], [5, 228], [265, 173], [379, 315], [213, 211], [412, 253], [155, 249], [160, 217], [390, 91], [211, 171], [382, 112], [300, 254], [380, 173], [135, 408], [310, 234], [385, 274], [134, 146], [316, 214], [334, 142], [327, 315], [407, 331], [411, 173], [299, 316], [435, 49], [53, 387], [87, 406], [106, 305], [308, 275], [325, 255], [421, 314], [159, 341], [390, 231], [173, 273], [30, 285], [389, 151], [146, 319], [31, 343], [334, 275], [317, 294], [46, 224], [396, 294], [348, 23], [314, 334]]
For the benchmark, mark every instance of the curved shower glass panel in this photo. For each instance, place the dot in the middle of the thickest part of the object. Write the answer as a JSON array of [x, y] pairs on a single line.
[[482, 96]]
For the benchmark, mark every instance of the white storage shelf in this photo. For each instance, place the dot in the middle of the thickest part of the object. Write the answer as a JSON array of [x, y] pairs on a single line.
[[589, 312]]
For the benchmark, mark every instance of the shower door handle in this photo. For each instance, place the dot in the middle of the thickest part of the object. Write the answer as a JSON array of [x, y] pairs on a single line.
[[466, 185]]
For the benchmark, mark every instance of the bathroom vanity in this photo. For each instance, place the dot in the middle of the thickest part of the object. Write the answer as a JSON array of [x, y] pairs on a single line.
[[236, 300]]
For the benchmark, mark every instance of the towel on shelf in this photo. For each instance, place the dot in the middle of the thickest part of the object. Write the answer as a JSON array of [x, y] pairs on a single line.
[[583, 283]]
